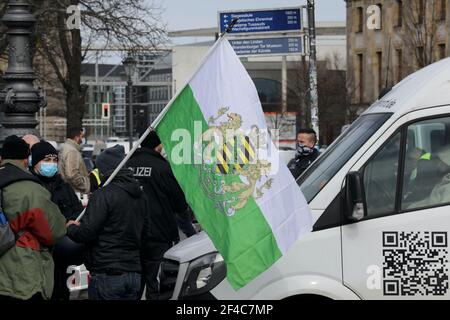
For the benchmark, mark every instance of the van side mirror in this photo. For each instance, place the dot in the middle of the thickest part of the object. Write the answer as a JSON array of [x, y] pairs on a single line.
[[354, 198]]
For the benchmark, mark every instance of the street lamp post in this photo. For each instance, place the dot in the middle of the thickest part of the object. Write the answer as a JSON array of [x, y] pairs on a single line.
[[19, 99], [314, 96], [130, 70]]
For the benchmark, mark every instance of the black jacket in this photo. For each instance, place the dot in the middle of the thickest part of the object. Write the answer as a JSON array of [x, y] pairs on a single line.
[[62, 195], [300, 163], [11, 174], [163, 191], [113, 227]]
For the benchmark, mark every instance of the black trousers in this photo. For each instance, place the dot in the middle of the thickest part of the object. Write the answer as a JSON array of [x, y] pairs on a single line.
[[65, 253], [151, 268]]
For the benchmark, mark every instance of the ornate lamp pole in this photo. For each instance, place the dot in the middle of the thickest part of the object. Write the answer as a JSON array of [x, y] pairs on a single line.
[[19, 99]]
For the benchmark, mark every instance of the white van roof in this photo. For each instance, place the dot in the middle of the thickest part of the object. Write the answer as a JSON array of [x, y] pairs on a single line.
[[428, 87]]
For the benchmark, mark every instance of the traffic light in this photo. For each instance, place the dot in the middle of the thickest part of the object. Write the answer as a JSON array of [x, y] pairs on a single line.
[[105, 111]]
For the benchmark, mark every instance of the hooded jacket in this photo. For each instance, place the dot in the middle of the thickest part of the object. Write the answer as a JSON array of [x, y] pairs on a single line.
[[27, 268], [113, 226], [165, 196]]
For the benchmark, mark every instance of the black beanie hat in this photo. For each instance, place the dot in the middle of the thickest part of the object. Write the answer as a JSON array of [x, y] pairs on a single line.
[[40, 151], [151, 141], [109, 160], [14, 148]]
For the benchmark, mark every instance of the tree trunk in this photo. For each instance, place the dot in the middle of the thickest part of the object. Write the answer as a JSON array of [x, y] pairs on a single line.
[[75, 107], [76, 92]]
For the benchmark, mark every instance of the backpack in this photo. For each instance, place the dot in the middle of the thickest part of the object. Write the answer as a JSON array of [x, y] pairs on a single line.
[[7, 236]]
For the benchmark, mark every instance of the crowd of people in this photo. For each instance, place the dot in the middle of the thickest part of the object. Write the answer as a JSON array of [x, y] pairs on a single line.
[[127, 226]]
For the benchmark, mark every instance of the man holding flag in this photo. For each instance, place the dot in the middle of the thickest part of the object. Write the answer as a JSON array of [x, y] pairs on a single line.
[[114, 230]]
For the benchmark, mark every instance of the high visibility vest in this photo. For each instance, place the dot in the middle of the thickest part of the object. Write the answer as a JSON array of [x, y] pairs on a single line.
[[426, 156], [96, 174]]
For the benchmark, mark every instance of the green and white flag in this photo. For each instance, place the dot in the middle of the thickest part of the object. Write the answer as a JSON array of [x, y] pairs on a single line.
[[216, 139]]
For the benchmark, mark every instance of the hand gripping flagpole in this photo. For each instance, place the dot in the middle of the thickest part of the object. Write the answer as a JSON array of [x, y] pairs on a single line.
[[163, 112]]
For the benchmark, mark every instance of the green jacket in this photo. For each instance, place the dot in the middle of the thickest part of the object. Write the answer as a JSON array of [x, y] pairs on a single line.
[[28, 268]]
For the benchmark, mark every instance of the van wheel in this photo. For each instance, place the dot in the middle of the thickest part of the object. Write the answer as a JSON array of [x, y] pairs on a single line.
[[308, 297]]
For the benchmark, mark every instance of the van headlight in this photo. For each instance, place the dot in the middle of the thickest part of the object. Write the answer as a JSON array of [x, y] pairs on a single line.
[[203, 275]]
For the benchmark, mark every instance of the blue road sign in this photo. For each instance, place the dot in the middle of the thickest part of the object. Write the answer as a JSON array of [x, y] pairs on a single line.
[[259, 21], [267, 46]]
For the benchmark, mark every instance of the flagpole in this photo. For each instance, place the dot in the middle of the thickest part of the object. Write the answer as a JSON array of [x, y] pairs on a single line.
[[164, 111]]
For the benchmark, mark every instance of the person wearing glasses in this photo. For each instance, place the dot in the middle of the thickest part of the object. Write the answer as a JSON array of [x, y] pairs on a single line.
[[44, 165]]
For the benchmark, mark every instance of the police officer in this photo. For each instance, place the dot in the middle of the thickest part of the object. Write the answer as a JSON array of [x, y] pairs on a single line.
[[166, 199], [306, 153]]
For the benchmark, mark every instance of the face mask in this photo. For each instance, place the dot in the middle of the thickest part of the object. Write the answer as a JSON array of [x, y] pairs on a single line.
[[304, 150], [48, 169]]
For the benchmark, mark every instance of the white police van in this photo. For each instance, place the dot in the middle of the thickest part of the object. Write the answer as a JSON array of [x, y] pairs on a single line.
[[381, 206]]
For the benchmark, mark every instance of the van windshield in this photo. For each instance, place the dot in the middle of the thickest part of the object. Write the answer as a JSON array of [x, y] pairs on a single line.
[[323, 170]]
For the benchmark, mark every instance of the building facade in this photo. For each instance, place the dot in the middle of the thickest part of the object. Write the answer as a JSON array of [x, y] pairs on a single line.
[[155, 72], [152, 90], [105, 84], [389, 39]]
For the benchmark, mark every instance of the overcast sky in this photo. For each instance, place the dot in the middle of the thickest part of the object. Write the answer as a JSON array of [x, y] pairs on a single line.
[[191, 14]]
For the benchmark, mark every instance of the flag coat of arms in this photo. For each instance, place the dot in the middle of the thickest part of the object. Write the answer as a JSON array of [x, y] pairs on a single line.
[[216, 139]]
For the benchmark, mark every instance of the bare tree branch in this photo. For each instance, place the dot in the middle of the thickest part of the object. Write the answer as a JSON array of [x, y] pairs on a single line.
[[419, 30]]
